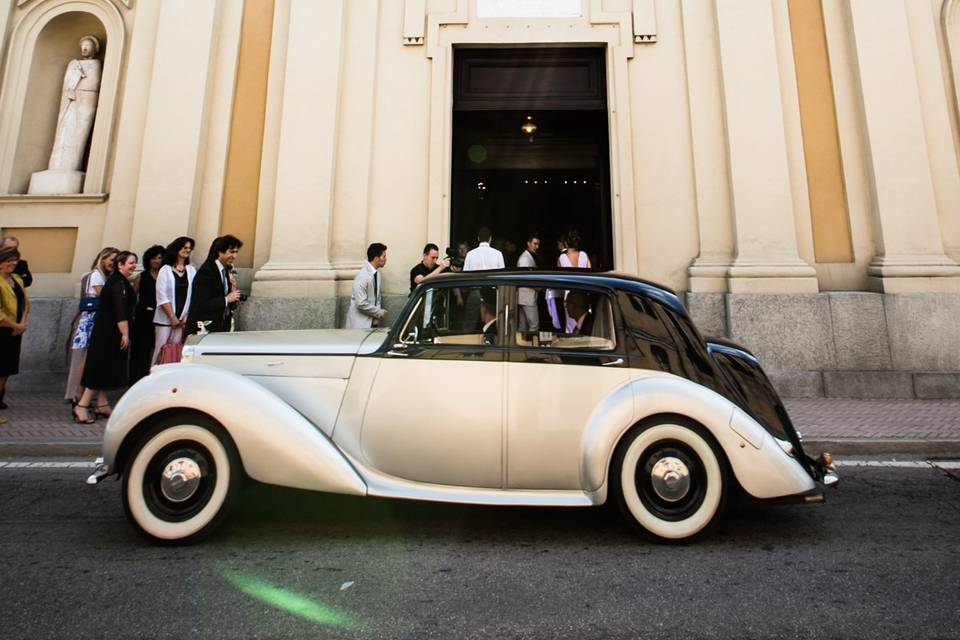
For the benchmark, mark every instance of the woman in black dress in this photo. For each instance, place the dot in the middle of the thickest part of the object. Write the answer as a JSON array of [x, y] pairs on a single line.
[[141, 352], [14, 308], [107, 356]]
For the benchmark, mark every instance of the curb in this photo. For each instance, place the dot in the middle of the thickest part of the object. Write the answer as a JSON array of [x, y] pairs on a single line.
[[813, 446], [50, 449], [876, 446]]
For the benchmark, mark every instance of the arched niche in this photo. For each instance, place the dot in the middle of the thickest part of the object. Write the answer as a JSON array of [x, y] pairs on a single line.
[[44, 40]]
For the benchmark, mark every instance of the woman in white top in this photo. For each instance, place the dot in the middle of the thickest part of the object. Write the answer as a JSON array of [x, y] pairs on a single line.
[[572, 257], [174, 288], [91, 284]]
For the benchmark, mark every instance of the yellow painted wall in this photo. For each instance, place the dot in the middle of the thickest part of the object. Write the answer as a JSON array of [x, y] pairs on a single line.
[[47, 249], [239, 215]]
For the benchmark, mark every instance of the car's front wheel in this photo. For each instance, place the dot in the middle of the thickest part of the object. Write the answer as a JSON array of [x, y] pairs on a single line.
[[180, 479], [670, 479]]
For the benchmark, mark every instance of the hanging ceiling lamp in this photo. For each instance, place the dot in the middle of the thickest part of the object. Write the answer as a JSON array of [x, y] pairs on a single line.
[[529, 128]]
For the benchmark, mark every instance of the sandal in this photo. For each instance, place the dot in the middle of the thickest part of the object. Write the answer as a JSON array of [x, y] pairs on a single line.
[[78, 419], [102, 414]]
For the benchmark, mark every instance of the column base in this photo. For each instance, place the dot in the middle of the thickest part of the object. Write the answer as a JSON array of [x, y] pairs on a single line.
[[914, 274], [298, 280], [752, 276], [55, 182]]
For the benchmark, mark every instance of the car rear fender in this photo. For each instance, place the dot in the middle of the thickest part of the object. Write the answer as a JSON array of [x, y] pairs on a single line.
[[760, 465], [276, 443]]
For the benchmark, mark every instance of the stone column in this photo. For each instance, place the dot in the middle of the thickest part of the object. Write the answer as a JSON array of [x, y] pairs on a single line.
[[300, 262], [708, 273], [910, 256], [172, 153], [766, 260]]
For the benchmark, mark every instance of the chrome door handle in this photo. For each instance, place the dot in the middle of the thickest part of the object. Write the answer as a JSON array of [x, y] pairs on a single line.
[[394, 352], [612, 363], [274, 363]]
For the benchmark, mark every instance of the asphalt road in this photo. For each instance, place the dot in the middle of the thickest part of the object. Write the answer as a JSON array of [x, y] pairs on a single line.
[[881, 559]]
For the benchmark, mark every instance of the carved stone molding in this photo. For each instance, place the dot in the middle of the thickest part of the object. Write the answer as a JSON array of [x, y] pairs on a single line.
[[418, 24], [125, 3]]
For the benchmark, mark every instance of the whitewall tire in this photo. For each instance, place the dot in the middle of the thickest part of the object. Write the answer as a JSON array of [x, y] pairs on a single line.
[[181, 479], [670, 479]]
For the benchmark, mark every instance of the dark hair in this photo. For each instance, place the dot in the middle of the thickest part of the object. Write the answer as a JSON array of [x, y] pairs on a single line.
[[170, 253], [9, 253], [222, 245], [122, 257], [375, 250], [572, 239], [534, 234], [151, 253], [484, 234], [430, 247]]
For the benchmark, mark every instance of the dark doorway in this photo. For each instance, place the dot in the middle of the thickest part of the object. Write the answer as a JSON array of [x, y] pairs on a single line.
[[551, 179]]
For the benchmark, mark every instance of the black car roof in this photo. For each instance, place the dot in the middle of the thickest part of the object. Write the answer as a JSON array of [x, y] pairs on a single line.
[[606, 279]]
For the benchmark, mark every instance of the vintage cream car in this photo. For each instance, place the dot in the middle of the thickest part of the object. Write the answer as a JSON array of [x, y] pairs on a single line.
[[500, 388]]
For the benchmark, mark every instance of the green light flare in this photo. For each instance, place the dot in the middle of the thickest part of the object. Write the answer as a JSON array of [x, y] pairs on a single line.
[[289, 600]]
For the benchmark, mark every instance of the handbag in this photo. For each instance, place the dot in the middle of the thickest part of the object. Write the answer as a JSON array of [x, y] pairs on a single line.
[[171, 352], [88, 303]]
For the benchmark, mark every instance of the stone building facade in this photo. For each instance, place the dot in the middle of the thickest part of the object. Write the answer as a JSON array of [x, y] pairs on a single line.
[[791, 166]]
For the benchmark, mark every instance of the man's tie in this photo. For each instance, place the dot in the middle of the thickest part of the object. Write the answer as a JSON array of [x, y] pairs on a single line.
[[226, 283], [376, 286]]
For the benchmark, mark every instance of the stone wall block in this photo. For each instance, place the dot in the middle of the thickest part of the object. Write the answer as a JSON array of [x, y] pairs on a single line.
[[886, 385], [797, 384], [709, 312], [936, 386], [924, 331], [859, 330], [268, 314], [44, 343], [787, 332]]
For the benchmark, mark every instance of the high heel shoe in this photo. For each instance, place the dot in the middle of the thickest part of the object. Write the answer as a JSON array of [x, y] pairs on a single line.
[[102, 414], [78, 419]]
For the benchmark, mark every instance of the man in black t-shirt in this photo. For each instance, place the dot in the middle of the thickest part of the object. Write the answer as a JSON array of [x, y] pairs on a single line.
[[430, 266]]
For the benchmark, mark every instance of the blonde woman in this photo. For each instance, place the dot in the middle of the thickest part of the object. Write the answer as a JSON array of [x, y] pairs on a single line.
[[90, 287], [14, 308]]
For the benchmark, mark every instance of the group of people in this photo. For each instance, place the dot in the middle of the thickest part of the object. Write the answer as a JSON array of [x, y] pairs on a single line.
[[123, 323], [567, 313]]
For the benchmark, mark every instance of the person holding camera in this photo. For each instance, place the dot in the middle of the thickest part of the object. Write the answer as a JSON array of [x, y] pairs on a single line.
[[431, 265], [215, 295]]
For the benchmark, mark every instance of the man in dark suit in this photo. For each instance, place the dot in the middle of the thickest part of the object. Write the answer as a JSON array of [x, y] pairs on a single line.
[[578, 308], [215, 294], [21, 269]]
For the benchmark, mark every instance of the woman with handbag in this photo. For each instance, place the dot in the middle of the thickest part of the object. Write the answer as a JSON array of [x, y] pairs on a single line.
[[107, 363], [14, 308], [174, 290], [90, 287], [143, 337]]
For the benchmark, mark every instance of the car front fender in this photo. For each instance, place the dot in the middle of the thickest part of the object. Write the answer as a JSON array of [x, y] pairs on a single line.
[[760, 465], [277, 445]]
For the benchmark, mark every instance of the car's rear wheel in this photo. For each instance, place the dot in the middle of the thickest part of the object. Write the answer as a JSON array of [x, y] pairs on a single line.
[[181, 479], [670, 479]]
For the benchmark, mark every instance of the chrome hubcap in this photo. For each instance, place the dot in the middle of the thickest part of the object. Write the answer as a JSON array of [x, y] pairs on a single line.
[[180, 479], [670, 478]]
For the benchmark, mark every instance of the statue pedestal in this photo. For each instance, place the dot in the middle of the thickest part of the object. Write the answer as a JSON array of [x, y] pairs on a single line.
[[56, 182]]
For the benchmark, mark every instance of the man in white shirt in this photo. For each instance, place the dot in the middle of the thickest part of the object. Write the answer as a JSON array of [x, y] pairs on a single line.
[[484, 256], [366, 310], [527, 297]]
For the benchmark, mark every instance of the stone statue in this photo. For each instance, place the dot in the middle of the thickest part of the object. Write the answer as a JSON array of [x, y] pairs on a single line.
[[78, 106]]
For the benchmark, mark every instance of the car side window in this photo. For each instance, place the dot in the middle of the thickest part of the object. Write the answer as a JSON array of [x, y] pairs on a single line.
[[455, 316], [564, 319], [653, 346]]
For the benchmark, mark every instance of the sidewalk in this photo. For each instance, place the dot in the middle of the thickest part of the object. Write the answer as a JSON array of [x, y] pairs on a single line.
[[40, 425]]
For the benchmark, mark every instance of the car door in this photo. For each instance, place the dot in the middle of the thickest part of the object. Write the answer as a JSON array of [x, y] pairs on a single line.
[[435, 411], [556, 380]]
